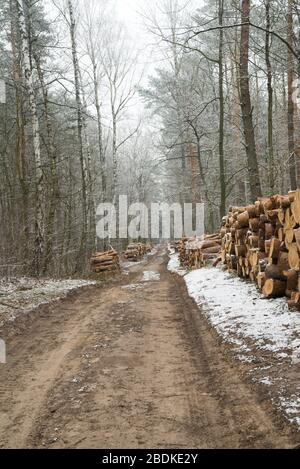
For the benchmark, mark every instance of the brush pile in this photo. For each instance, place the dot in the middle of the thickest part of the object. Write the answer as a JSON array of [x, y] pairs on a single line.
[[106, 261], [195, 253], [262, 242]]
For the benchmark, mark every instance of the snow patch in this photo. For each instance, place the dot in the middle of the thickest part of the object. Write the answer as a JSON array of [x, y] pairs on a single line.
[[235, 307], [150, 276], [133, 286], [23, 294], [174, 265]]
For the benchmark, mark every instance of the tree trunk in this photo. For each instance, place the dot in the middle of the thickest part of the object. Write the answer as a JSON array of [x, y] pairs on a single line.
[[54, 187], [82, 249], [291, 125], [20, 123], [99, 127], [39, 215], [221, 115], [254, 179], [270, 101]]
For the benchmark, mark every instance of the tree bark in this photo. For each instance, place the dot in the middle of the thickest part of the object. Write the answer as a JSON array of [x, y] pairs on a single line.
[[291, 110], [221, 115], [39, 215], [82, 249], [254, 178], [20, 123], [270, 100]]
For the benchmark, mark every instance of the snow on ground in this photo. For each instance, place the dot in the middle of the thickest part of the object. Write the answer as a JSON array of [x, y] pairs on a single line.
[[257, 329], [235, 307], [22, 294], [174, 265], [133, 286], [150, 276]]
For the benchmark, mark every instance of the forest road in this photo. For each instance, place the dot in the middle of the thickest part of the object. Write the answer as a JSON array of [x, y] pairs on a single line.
[[130, 364]]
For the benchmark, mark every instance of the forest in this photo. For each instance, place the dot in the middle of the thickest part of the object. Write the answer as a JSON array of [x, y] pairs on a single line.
[[200, 106]]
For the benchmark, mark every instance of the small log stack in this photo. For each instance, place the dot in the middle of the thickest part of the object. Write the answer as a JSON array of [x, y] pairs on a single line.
[[135, 251], [107, 261], [195, 253], [261, 242]]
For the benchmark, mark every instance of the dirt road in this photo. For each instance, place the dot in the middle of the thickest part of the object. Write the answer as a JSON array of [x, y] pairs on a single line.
[[128, 364]]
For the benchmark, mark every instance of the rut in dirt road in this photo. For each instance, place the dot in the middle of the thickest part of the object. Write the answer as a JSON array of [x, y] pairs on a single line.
[[130, 364]]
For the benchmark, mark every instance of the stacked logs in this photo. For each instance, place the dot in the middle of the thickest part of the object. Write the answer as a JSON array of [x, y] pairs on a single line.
[[262, 242], [107, 261], [195, 253], [135, 251]]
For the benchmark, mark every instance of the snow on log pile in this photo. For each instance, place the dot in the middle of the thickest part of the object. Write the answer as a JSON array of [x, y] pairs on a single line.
[[199, 252], [262, 242], [107, 261]]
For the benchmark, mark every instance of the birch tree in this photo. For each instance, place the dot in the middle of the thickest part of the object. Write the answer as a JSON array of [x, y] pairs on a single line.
[[81, 141]]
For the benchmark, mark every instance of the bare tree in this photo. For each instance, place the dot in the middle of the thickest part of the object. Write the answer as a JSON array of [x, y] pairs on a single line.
[[28, 75], [81, 140], [247, 110]]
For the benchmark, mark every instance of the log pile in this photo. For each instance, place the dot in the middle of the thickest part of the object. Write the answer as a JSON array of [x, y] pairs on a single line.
[[262, 242], [195, 253], [107, 261], [135, 251]]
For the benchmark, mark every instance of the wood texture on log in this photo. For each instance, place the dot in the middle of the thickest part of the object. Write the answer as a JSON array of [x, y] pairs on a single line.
[[297, 237], [251, 209], [295, 206], [281, 235], [243, 219], [258, 256], [298, 288], [267, 246], [291, 279], [259, 206], [295, 296], [269, 230], [268, 204], [292, 305], [241, 233], [293, 256], [274, 288], [272, 215], [253, 241], [212, 250], [210, 243], [261, 244], [274, 272], [98, 263], [261, 279], [289, 236], [237, 209], [289, 221], [252, 276], [281, 215], [283, 261], [254, 224], [274, 248], [263, 219], [291, 195], [240, 250], [262, 265], [284, 202]]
